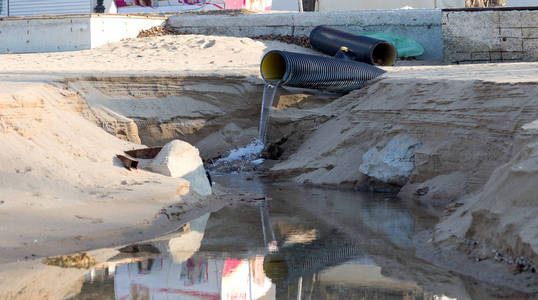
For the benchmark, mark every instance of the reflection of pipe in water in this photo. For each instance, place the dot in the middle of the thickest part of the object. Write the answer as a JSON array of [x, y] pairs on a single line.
[[267, 229], [293, 262]]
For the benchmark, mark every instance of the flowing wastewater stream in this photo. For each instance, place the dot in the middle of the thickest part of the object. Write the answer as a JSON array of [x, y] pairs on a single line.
[[304, 243], [269, 93]]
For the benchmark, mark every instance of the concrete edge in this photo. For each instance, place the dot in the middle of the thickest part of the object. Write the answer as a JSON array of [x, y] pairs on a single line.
[[418, 17], [79, 16]]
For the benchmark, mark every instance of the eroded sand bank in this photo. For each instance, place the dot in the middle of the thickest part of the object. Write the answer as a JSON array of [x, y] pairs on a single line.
[[476, 125]]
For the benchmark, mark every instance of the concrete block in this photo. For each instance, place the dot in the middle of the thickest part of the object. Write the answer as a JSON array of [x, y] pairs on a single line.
[[501, 34], [510, 18], [530, 47], [264, 19], [531, 32], [181, 159], [260, 30], [511, 32], [302, 30], [495, 56], [339, 18], [259, 20], [45, 35], [455, 57], [529, 18], [68, 33], [511, 44], [513, 55], [243, 31], [467, 43], [471, 39], [480, 56], [467, 20], [240, 26], [421, 17]]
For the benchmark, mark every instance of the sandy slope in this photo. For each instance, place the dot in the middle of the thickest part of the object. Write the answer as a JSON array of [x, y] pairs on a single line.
[[504, 213], [61, 188], [478, 147], [166, 55], [59, 177]]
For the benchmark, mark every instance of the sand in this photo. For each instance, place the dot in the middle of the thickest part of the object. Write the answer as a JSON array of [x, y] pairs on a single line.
[[63, 191], [166, 55], [59, 177]]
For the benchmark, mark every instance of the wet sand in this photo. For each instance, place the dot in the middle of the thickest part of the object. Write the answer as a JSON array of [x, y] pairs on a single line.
[[352, 244]]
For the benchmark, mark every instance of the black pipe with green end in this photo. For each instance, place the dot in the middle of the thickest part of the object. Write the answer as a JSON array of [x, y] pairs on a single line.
[[357, 47]]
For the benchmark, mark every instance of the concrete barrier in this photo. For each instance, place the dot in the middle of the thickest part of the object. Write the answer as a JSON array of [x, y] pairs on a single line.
[[494, 35], [422, 25], [67, 33], [453, 35]]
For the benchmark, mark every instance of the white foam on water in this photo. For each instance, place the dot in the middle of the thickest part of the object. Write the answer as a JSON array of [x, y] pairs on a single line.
[[258, 161], [250, 153]]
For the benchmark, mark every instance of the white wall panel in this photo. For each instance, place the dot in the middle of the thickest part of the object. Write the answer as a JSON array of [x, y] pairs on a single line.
[[48, 7], [3, 8]]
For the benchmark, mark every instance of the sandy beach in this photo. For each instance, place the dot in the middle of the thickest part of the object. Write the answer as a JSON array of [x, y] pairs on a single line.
[[65, 116]]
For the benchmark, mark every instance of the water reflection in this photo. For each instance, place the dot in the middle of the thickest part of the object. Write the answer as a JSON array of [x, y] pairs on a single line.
[[199, 277], [302, 245]]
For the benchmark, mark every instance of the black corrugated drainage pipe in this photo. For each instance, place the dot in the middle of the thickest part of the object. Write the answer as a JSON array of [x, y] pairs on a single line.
[[360, 48], [315, 72]]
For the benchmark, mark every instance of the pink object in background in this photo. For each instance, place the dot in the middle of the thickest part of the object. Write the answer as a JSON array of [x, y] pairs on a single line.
[[249, 4], [234, 4]]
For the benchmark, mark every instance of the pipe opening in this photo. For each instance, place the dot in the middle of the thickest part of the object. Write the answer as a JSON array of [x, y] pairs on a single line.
[[384, 54], [275, 267], [273, 67]]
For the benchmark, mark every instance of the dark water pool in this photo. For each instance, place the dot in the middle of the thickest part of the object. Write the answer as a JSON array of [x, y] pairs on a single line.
[[305, 243]]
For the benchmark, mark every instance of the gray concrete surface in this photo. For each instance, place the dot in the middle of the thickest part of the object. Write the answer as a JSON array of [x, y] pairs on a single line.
[[69, 32], [423, 25], [490, 36]]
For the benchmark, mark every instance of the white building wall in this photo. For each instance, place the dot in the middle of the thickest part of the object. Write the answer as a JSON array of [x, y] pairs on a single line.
[[44, 35], [68, 33], [48, 7], [3, 8]]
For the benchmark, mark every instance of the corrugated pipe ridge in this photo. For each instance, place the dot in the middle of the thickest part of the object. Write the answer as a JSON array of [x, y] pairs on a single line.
[[315, 72]]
